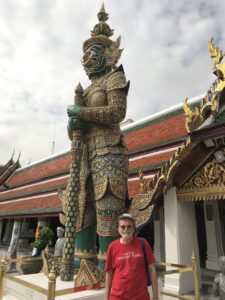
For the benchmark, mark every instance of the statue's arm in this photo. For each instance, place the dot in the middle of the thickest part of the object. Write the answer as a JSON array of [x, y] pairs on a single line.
[[113, 113]]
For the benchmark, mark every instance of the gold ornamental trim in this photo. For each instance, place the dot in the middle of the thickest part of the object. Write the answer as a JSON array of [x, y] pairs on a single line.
[[198, 194], [207, 184], [102, 256], [85, 254], [163, 179]]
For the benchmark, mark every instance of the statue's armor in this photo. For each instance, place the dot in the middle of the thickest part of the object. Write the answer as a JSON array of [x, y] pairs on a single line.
[[105, 161], [105, 108]]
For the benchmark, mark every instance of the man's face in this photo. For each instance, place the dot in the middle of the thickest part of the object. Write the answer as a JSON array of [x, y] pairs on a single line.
[[126, 228]]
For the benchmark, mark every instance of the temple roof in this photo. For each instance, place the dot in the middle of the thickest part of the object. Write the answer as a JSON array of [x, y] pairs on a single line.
[[6, 171]]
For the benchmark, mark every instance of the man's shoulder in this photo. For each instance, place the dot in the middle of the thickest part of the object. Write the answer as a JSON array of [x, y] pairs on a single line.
[[139, 240]]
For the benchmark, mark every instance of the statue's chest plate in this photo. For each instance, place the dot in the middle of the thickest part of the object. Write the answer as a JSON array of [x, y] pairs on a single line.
[[96, 97]]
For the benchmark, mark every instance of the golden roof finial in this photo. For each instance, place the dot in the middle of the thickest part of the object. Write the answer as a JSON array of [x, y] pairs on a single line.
[[216, 54]]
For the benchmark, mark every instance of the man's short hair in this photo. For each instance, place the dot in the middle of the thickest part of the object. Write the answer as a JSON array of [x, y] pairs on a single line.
[[126, 216]]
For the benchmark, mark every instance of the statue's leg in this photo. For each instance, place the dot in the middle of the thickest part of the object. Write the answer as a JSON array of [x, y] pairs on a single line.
[[85, 238], [108, 209], [109, 176], [85, 244]]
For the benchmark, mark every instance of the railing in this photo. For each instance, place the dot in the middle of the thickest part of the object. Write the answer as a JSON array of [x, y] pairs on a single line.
[[51, 292], [182, 269]]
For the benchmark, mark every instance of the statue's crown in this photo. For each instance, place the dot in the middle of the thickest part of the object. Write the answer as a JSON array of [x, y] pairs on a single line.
[[101, 32]]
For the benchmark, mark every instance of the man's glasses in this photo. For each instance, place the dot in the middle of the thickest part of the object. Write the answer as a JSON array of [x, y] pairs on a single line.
[[126, 227]]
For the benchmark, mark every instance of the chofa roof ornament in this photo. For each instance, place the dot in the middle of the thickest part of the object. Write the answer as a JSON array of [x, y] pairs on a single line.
[[101, 34], [211, 103]]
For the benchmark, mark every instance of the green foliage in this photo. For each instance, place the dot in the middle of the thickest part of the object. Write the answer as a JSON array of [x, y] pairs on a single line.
[[41, 242]]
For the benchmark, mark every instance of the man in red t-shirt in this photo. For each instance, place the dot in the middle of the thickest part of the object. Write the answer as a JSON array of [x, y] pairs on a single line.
[[125, 267]]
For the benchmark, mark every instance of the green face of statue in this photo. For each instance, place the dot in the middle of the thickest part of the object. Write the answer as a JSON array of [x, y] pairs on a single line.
[[94, 61]]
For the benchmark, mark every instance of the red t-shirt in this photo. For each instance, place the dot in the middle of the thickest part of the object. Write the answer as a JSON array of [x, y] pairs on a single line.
[[127, 263]]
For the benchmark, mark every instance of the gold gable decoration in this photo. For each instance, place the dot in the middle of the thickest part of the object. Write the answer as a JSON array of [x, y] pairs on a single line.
[[141, 209], [143, 205], [207, 184], [211, 102], [164, 178]]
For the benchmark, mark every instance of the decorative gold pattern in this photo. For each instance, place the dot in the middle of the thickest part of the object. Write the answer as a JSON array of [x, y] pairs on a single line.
[[163, 179], [102, 256], [216, 54], [85, 253], [108, 209], [211, 174], [142, 206], [193, 116], [207, 184], [141, 209], [49, 260], [211, 102], [144, 184], [89, 275]]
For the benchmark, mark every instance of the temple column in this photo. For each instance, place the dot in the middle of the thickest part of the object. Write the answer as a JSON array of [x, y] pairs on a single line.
[[180, 240], [16, 229], [159, 236], [1, 228], [213, 234], [24, 242], [8, 232], [14, 244]]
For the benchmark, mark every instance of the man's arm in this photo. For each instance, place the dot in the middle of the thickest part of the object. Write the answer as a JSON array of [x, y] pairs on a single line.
[[154, 281], [108, 283]]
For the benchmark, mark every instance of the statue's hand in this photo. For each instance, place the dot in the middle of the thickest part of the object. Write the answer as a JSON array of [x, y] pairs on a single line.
[[76, 124], [73, 110]]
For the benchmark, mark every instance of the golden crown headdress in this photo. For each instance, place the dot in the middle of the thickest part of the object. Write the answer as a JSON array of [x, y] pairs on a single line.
[[101, 34]]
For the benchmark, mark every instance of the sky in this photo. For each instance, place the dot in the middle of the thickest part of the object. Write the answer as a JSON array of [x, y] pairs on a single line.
[[165, 57]]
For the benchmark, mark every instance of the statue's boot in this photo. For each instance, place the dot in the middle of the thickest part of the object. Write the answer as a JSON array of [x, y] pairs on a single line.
[[103, 246], [85, 242]]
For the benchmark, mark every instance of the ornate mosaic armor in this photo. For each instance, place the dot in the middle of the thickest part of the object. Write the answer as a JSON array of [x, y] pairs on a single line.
[[105, 107]]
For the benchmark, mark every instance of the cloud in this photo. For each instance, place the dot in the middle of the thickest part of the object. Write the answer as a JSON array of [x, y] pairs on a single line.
[[165, 57]]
